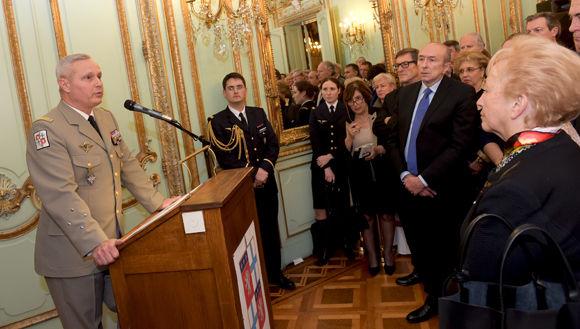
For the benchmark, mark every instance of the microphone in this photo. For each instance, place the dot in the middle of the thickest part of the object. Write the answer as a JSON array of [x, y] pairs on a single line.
[[132, 106]]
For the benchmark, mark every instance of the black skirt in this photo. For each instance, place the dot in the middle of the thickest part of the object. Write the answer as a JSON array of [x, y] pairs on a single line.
[[320, 188], [372, 184]]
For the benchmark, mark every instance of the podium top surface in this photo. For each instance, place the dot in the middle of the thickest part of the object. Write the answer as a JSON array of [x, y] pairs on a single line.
[[216, 191]]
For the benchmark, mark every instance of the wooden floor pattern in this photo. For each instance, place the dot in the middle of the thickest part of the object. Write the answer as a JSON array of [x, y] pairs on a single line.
[[343, 295]]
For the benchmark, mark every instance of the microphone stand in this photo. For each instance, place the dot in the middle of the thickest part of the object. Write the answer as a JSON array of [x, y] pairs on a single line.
[[201, 139]]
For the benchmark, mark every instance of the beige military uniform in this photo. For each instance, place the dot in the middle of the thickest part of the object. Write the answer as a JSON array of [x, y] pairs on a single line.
[[77, 175]]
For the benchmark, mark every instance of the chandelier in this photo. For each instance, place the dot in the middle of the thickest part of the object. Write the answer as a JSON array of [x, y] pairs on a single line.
[[437, 10], [315, 48], [227, 23], [352, 33]]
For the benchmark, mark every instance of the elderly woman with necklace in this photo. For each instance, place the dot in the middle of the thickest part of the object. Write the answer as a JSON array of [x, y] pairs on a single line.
[[367, 174], [537, 179]]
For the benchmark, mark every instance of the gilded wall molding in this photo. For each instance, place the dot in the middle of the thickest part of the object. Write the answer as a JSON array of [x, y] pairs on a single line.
[[253, 72], [160, 92], [406, 24], [180, 87], [475, 16], [386, 23], [194, 68], [293, 150], [131, 76], [32, 320], [58, 32], [516, 16], [483, 8], [11, 198], [504, 20], [17, 67]]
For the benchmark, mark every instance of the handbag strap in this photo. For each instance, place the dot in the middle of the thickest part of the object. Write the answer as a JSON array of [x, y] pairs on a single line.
[[573, 290], [459, 274]]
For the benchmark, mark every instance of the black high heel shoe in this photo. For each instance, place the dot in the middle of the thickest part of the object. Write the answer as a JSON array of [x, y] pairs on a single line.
[[374, 270], [389, 270]]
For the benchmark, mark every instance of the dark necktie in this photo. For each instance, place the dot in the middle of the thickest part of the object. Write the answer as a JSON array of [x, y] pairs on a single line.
[[419, 115], [331, 111], [244, 122], [94, 124]]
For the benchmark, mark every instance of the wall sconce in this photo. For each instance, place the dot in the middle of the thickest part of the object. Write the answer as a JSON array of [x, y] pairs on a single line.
[[352, 33]]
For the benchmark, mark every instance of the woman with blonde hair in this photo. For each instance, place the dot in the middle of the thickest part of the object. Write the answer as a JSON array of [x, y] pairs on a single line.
[[537, 180], [383, 83]]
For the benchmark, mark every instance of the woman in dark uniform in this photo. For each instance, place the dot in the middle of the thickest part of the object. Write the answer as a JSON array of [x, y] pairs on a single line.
[[327, 134], [302, 92]]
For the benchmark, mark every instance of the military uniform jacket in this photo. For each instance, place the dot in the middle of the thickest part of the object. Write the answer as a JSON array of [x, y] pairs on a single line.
[[261, 141], [327, 133], [64, 154], [302, 118]]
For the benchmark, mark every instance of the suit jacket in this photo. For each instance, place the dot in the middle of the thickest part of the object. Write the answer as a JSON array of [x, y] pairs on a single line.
[[445, 134], [539, 186], [302, 117], [327, 133], [77, 216], [261, 141], [380, 128]]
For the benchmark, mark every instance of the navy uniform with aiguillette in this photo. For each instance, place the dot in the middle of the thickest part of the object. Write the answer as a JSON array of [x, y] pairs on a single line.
[[241, 137]]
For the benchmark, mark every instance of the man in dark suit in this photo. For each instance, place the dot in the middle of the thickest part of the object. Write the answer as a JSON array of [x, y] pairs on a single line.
[[435, 121], [259, 149]]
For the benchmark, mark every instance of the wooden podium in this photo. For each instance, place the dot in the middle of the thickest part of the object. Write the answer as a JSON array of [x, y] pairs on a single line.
[[165, 278]]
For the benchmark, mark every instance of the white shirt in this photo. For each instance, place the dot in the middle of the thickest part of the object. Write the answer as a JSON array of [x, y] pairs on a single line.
[[84, 115], [237, 113], [329, 105], [421, 94]]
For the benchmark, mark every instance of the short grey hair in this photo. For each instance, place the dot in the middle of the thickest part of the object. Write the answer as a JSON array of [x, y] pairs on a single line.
[[329, 66], [478, 39], [297, 70], [384, 76], [65, 62]]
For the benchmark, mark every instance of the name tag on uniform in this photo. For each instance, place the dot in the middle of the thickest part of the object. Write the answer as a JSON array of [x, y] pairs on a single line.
[[116, 137], [261, 128]]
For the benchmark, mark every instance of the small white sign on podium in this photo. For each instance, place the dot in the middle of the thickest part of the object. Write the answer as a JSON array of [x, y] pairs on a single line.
[[193, 222]]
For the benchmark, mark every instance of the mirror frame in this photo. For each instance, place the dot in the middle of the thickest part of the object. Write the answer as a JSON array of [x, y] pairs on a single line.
[[292, 135]]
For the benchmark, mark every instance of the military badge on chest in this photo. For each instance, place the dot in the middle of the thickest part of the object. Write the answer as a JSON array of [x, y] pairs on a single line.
[[90, 175], [261, 128], [116, 137]]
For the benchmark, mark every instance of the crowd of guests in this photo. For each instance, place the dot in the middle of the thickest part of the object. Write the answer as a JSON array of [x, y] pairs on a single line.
[[465, 134]]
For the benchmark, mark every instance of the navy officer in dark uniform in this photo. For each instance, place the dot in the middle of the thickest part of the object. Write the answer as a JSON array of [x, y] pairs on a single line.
[[254, 144]]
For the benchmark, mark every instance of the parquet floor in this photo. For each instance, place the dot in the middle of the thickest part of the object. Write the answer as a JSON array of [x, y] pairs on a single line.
[[343, 295]]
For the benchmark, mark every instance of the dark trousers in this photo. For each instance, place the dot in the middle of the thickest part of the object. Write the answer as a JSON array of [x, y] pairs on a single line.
[[267, 206], [432, 231]]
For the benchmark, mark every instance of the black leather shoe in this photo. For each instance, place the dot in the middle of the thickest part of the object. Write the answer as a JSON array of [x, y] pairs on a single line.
[[285, 283], [389, 270], [374, 270], [409, 280], [326, 254], [422, 314], [348, 253]]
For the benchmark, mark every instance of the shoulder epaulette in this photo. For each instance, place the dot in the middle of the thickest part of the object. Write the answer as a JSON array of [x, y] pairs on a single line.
[[104, 108], [210, 118], [43, 118]]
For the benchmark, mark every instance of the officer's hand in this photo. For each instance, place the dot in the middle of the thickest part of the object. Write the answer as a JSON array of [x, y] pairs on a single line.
[[261, 177], [106, 253], [167, 202]]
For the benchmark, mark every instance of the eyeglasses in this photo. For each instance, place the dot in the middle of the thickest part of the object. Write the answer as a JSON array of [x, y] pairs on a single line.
[[469, 70], [358, 99], [403, 65], [238, 87]]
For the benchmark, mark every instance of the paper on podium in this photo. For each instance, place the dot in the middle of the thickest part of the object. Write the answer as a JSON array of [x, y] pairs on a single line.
[[162, 213]]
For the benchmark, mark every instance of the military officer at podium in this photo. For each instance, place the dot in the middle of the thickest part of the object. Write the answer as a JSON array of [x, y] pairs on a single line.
[[242, 137], [78, 160]]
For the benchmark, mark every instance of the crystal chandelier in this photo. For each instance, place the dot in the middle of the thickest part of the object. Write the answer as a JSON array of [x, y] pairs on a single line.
[[228, 24], [437, 10], [352, 34]]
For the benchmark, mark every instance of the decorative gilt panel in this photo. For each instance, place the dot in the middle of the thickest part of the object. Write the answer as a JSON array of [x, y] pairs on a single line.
[[180, 87], [154, 58], [386, 22], [58, 32]]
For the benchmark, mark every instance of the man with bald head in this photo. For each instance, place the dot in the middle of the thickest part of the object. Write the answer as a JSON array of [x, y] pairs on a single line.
[[435, 122], [326, 69], [360, 60], [471, 41]]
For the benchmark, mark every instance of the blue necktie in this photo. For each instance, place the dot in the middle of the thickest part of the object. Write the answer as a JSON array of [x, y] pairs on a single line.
[[412, 150]]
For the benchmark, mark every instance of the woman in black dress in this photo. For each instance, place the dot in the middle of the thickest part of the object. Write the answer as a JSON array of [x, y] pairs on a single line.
[[367, 176], [302, 92], [327, 134]]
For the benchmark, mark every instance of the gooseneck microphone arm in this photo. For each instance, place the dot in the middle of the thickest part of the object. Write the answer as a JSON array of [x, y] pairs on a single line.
[[132, 106]]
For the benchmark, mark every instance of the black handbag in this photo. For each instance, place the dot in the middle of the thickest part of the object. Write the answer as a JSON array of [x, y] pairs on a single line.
[[538, 304]]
